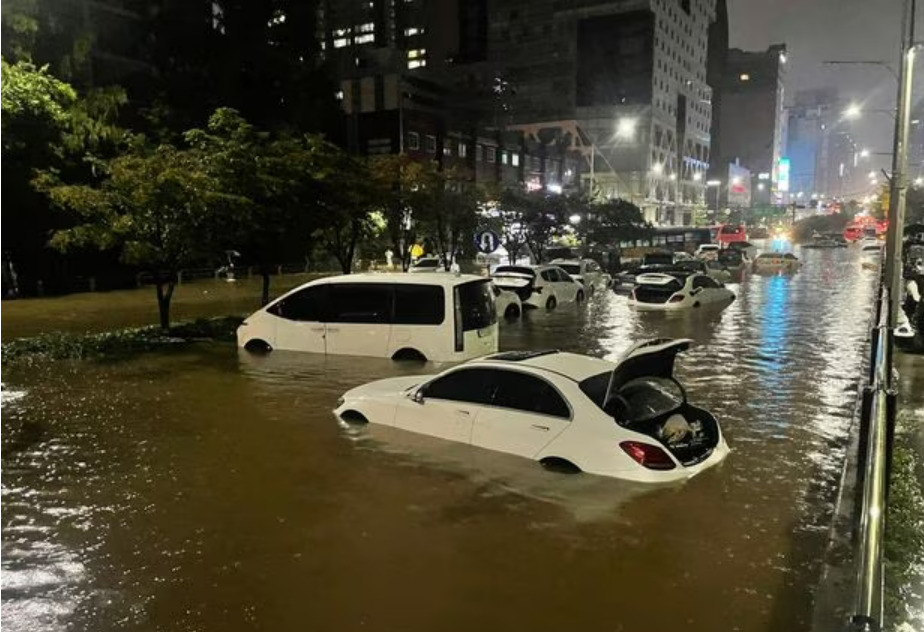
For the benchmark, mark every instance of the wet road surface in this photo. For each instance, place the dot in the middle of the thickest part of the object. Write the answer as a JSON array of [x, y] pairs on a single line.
[[206, 490]]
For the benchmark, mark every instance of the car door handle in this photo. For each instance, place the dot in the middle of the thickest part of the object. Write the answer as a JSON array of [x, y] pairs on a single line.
[[333, 330], [317, 329], [538, 427], [463, 412]]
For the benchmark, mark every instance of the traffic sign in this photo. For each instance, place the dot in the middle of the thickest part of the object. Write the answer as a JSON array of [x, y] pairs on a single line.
[[487, 241]]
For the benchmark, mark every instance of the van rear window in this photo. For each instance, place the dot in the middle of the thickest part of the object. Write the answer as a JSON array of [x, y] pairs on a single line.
[[475, 304]]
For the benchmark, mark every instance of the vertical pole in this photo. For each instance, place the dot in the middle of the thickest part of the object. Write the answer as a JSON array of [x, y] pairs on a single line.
[[593, 159], [899, 185]]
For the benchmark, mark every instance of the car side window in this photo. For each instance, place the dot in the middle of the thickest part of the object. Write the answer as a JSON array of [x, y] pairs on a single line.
[[474, 386], [563, 276], [528, 393], [700, 282], [549, 275], [360, 302], [710, 282], [419, 305], [308, 305]]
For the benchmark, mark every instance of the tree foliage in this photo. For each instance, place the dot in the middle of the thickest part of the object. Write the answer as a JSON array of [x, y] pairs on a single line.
[[606, 224], [156, 206]]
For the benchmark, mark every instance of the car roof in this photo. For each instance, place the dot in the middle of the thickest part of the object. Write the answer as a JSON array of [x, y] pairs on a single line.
[[445, 279], [573, 366]]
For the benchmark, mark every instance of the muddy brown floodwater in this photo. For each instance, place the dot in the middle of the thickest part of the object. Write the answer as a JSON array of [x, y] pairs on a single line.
[[211, 491]]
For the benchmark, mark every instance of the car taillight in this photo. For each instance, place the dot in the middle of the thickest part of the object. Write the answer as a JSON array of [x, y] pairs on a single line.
[[676, 298], [647, 455]]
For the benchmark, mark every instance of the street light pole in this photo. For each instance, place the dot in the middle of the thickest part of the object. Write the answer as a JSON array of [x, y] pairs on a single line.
[[899, 184]]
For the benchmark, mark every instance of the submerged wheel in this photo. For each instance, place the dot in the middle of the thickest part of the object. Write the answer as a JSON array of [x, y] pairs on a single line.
[[551, 303], [560, 465], [353, 417], [408, 355], [512, 312], [257, 346], [580, 296]]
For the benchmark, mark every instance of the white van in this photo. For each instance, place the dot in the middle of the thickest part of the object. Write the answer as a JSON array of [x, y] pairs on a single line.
[[436, 317]]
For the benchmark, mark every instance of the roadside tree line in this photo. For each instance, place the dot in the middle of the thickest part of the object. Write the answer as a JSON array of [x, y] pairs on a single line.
[[171, 202]]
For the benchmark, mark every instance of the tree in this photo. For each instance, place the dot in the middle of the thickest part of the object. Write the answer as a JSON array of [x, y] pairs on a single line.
[[510, 217], [405, 188], [156, 206], [607, 223], [450, 216], [346, 199], [545, 218], [274, 180]]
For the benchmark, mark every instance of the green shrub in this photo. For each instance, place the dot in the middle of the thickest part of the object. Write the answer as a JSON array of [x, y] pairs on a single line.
[[66, 346]]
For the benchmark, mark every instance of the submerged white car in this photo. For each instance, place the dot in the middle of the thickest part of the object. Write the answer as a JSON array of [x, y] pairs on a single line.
[[540, 285], [629, 420], [776, 262], [587, 272], [678, 289]]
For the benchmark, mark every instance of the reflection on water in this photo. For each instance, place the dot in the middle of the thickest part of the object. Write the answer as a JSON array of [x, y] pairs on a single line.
[[207, 490]]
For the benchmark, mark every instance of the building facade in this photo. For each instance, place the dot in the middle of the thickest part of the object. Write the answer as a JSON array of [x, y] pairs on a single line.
[[632, 79], [749, 127], [825, 159]]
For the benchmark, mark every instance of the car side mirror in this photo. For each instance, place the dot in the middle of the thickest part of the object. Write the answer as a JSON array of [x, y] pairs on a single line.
[[418, 396]]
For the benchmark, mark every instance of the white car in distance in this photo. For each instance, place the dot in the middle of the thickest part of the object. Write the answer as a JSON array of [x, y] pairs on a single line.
[[676, 290], [587, 272], [707, 251], [539, 285], [628, 420], [427, 264]]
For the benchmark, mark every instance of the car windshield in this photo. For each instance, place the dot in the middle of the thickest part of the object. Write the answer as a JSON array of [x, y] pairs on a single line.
[[658, 257], [427, 263]]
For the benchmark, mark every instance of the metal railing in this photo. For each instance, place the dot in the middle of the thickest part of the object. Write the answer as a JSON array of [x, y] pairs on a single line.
[[876, 432]]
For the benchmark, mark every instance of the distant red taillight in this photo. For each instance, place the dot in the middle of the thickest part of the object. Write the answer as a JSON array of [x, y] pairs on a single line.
[[647, 455], [676, 298]]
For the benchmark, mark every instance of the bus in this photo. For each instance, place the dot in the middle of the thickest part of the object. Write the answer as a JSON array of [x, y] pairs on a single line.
[[730, 233], [674, 238]]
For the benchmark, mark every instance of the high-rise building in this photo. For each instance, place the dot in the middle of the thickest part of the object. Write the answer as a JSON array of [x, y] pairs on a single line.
[[628, 79], [748, 127], [824, 157]]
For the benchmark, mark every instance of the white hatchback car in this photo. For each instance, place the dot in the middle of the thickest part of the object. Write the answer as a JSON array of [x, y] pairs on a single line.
[[776, 262], [587, 272], [540, 285], [629, 420], [680, 289]]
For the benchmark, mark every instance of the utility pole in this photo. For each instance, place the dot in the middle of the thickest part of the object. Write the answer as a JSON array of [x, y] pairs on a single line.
[[899, 183]]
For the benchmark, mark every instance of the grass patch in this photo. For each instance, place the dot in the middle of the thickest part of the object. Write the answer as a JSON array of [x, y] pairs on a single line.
[[69, 346], [904, 541]]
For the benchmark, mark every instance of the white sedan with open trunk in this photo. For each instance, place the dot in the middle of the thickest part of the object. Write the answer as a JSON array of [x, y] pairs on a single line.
[[628, 420], [678, 289]]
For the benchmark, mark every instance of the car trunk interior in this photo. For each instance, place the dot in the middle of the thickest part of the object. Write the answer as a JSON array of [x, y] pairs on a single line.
[[691, 446]]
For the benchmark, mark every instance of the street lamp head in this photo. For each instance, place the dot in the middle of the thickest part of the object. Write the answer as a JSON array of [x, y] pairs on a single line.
[[657, 168], [697, 177], [918, 182], [864, 153], [625, 127], [673, 176], [575, 219], [853, 111], [713, 183], [761, 187]]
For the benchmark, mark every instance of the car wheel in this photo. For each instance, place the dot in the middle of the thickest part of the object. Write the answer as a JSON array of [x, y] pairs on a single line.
[[551, 303], [408, 355], [559, 465], [258, 346], [512, 312], [353, 417], [580, 296]]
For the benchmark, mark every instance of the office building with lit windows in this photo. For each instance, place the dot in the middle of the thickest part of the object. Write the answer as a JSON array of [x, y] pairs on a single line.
[[626, 81]]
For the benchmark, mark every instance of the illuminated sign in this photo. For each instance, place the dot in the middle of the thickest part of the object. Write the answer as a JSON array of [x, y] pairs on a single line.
[[763, 176], [782, 174]]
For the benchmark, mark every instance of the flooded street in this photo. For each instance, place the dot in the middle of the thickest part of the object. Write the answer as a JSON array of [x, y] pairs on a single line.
[[211, 491]]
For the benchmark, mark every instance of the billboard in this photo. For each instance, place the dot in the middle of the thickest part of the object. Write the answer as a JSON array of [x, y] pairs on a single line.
[[782, 175]]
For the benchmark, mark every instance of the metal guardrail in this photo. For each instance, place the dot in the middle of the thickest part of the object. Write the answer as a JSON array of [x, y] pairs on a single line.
[[876, 432]]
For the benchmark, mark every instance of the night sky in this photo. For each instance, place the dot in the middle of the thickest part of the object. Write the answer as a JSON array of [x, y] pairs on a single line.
[[819, 30]]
